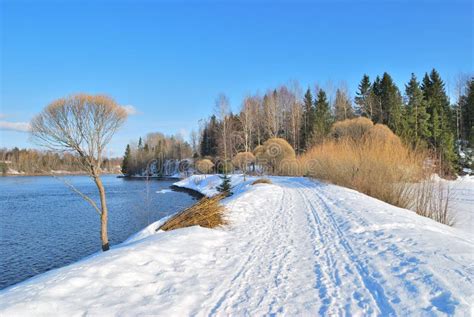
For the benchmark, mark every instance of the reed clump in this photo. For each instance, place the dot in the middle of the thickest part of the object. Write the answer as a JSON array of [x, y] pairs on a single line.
[[262, 181], [207, 212]]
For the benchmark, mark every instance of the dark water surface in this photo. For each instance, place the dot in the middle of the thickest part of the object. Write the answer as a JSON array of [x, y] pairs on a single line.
[[44, 225]]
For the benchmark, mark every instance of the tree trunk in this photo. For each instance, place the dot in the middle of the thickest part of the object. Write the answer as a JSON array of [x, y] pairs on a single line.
[[103, 216]]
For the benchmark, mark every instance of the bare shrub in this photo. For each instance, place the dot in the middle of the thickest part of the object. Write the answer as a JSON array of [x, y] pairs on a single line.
[[258, 153], [262, 181], [290, 167], [224, 166], [433, 200], [204, 166], [243, 159], [353, 128], [207, 212], [273, 152]]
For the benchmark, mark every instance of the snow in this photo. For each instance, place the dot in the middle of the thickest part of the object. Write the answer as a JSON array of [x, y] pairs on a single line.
[[294, 247], [12, 171], [164, 191]]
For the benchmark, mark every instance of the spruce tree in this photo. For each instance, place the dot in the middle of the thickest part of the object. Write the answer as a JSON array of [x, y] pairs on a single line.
[[442, 132], [225, 186], [467, 114], [375, 98], [126, 160], [204, 146], [307, 120], [418, 124], [391, 105], [323, 118], [210, 138], [362, 99]]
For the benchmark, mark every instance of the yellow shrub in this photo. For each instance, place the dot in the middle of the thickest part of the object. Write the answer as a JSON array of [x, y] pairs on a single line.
[[371, 160], [243, 159], [351, 128], [204, 166], [273, 153]]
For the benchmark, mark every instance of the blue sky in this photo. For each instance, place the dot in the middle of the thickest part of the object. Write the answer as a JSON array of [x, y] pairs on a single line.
[[170, 60]]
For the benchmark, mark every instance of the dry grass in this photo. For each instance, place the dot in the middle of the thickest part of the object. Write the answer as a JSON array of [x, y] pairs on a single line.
[[262, 181], [207, 212], [433, 200]]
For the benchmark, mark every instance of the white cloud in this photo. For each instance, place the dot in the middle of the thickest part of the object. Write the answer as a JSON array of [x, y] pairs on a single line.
[[15, 126], [3, 116], [131, 110]]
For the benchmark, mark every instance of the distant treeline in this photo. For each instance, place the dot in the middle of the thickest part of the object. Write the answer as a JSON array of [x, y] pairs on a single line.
[[422, 115], [31, 161], [151, 153]]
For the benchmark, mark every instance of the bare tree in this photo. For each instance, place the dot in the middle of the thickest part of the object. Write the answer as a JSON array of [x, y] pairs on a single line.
[[460, 85], [258, 114], [247, 120], [342, 104], [271, 114], [195, 141], [82, 124]]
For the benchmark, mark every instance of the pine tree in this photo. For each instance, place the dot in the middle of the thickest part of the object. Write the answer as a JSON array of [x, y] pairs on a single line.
[[126, 160], [140, 143], [418, 124], [308, 119], [323, 118], [362, 98]]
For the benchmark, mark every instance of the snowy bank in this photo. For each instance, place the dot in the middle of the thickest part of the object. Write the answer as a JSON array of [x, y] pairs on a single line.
[[294, 247]]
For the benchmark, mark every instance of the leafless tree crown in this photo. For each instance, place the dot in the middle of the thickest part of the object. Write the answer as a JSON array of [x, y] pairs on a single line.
[[79, 123]]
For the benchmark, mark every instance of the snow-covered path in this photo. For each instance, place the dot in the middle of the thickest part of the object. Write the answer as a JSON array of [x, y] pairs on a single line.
[[317, 253], [296, 247]]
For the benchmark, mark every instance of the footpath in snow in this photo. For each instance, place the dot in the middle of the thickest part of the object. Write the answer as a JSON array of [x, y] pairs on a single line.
[[295, 247]]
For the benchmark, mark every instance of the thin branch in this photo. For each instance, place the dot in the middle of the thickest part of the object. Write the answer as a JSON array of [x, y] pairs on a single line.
[[71, 186]]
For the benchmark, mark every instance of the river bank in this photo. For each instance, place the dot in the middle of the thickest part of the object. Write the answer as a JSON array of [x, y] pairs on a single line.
[[44, 225]]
